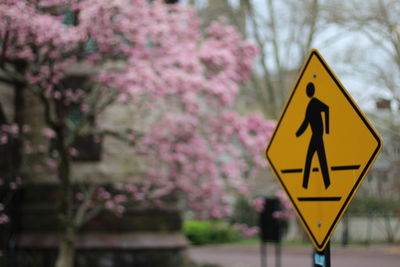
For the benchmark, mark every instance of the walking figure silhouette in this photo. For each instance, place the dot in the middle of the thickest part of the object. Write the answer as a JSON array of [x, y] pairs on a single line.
[[313, 118]]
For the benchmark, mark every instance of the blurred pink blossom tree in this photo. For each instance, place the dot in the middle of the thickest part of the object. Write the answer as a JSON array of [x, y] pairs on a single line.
[[287, 207], [199, 148]]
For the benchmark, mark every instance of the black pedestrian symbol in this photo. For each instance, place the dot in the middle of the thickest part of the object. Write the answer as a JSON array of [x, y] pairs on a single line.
[[313, 117]]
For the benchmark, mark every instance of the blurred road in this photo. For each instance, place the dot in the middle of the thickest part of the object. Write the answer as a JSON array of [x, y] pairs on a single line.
[[296, 256]]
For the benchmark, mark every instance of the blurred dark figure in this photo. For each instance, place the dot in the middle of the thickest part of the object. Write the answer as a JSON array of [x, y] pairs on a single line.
[[272, 229]]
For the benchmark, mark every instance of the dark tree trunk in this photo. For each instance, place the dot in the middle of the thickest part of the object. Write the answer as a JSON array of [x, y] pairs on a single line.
[[14, 161], [66, 253]]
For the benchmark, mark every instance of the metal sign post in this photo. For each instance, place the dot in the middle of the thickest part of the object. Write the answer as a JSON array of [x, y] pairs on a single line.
[[322, 259]]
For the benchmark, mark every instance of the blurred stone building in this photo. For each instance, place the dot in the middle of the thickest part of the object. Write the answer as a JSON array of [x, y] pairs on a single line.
[[143, 236]]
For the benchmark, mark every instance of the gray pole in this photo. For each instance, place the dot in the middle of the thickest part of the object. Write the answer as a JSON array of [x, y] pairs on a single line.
[[278, 253], [322, 259], [263, 253]]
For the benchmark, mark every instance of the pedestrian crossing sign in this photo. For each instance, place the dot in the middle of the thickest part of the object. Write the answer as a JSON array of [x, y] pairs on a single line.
[[321, 149]]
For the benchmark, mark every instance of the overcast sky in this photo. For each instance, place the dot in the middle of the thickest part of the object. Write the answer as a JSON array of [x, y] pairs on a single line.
[[341, 46]]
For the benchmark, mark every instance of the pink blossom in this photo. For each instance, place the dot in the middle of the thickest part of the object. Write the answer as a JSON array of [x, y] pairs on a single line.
[[49, 133], [52, 163], [3, 139], [258, 204], [120, 199], [287, 211], [13, 130], [109, 205], [73, 152], [3, 218], [97, 139], [28, 149], [57, 95], [245, 230], [26, 128], [103, 194], [119, 210], [42, 148], [119, 186], [84, 107], [13, 185], [79, 196]]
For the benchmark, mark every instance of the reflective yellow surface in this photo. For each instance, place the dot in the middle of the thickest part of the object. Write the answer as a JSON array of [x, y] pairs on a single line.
[[350, 147]]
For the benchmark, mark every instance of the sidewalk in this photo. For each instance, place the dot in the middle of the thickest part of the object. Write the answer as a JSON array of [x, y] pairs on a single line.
[[296, 256]]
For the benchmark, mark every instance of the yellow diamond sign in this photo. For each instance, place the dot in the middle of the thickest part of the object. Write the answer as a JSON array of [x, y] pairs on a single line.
[[322, 148]]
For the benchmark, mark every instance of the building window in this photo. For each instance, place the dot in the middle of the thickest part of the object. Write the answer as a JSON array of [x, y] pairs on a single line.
[[4, 142]]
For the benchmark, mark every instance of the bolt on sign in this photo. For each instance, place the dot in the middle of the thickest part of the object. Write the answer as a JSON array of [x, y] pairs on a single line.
[[321, 149]]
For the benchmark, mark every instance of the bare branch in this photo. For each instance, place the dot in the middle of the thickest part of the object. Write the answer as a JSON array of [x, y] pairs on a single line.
[[82, 213], [4, 48], [48, 111], [120, 135]]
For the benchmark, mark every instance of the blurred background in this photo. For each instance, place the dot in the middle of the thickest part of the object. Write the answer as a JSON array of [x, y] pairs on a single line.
[[133, 131]]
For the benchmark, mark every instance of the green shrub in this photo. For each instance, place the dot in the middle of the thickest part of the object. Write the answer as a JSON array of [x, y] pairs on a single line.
[[209, 232], [244, 213]]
